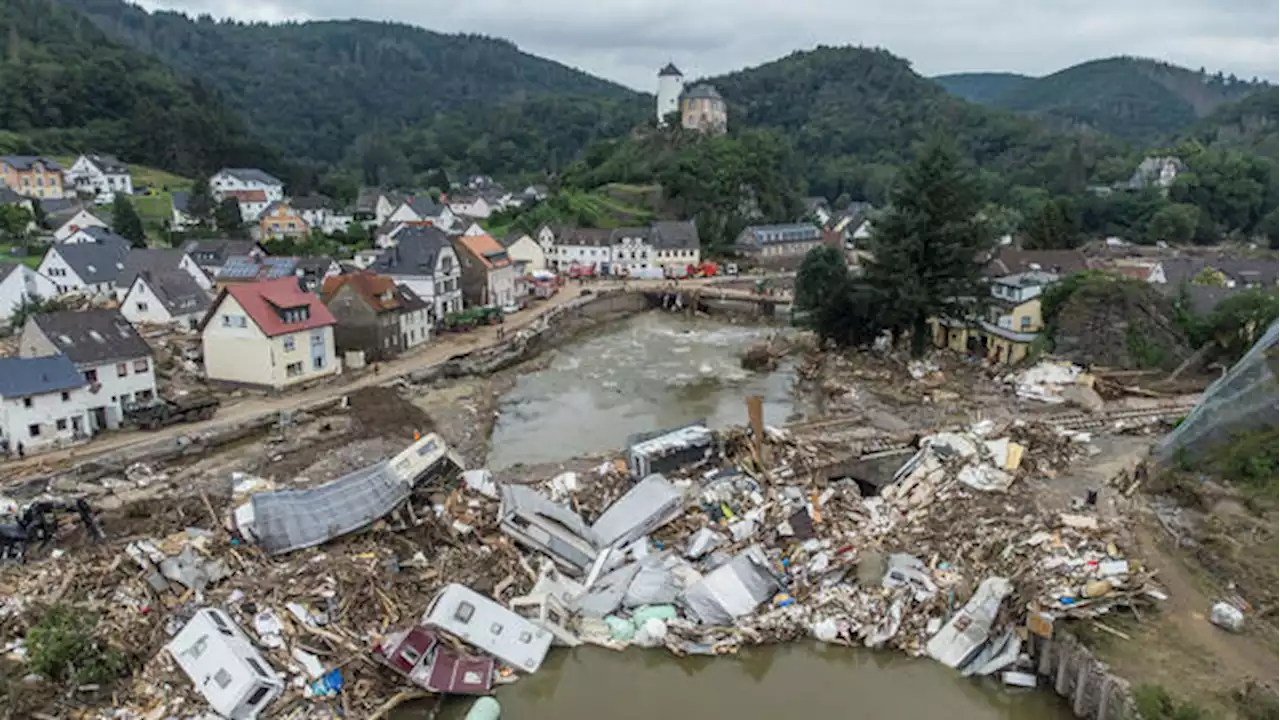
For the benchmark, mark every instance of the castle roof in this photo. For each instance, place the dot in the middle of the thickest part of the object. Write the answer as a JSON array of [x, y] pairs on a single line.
[[702, 91], [670, 69]]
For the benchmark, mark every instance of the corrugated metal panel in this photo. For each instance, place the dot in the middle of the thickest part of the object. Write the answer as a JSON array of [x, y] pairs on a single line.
[[294, 519]]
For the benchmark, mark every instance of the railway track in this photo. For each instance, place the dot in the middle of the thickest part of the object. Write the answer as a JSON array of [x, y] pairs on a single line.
[[1076, 421]]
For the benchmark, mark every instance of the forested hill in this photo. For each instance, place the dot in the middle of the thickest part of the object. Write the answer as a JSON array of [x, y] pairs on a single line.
[[65, 87], [1140, 100], [854, 114], [1250, 125], [982, 87], [312, 88]]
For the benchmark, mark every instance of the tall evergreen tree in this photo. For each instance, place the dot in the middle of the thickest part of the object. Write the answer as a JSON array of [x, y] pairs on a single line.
[[125, 221], [1048, 228], [200, 203], [227, 218], [926, 248]]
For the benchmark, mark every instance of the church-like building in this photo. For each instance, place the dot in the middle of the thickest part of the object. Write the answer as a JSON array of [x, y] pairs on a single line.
[[701, 108]]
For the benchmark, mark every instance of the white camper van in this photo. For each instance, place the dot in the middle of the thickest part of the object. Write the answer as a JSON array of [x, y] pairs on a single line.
[[483, 623], [225, 666]]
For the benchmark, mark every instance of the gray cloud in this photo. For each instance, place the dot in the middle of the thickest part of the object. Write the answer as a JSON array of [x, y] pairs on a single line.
[[627, 40]]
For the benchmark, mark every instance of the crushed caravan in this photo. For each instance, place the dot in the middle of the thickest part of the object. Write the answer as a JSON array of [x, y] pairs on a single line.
[[548, 527], [670, 449], [733, 590], [290, 520], [484, 624], [650, 504], [418, 655], [225, 666]]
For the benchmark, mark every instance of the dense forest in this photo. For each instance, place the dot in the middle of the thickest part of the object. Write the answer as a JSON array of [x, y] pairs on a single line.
[[312, 88], [1250, 125], [984, 88], [64, 87], [1139, 100]]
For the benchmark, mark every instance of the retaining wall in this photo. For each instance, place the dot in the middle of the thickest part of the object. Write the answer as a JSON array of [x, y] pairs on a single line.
[[1073, 672]]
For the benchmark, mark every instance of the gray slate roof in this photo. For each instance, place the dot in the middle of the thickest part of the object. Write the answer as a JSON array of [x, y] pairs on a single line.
[[7, 267], [367, 200], [675, 235], [1243, 272], [702, 91], [424, 206], [181, 200], [92, 337], [215, 251], [9, 197], [178, 292], [57, 210], [153, 260], [251, 175], [23, 377], [670, 69], [96, 262], [618, 234], [761, 235], [588, 237], [409, 300], [107, 163], [415, 253], [311, 202], [24, 162]]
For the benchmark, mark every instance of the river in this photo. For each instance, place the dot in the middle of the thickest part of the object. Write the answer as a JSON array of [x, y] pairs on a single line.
[[657, 370]]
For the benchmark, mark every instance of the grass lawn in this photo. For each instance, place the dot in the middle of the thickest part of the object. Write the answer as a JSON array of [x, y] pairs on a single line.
[[31, 261]]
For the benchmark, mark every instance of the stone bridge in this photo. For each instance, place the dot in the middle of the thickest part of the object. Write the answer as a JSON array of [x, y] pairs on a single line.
[[713, 300]]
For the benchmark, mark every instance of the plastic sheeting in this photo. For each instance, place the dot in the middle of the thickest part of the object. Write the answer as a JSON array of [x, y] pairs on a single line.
[[290, 520], [655, 583], [734, 589]]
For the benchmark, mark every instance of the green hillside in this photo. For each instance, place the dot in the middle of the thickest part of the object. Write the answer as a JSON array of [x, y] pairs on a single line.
[[1249, 125], [65, 87], [984, 88], [312, 88]]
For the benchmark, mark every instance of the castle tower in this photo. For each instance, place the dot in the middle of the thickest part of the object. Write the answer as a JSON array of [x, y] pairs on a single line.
[[670, 86]]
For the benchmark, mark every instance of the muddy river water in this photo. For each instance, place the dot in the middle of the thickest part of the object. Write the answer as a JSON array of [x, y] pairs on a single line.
[[658, 370]]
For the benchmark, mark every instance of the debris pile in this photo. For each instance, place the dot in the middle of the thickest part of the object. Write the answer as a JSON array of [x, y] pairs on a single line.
[[710, 548]]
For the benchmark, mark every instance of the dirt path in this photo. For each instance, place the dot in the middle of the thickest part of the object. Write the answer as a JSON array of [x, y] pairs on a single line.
[[1179, 649], [434, 352]]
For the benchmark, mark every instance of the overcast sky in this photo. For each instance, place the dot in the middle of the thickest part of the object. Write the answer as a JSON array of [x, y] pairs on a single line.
[[628, 40]]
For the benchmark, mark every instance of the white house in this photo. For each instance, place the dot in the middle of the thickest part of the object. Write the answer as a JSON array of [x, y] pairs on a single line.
[[546, 239], [89, 268], [114, 360], [424, 260], [525, 252], [252, 203], [81, 220], [414, 318], [423, 209], [161, 260], [181, 217], [228, 180], [100, 177], [584, 247], [165, 298], [675, 244], [43, 402], [488, 275], [18, 283], [472, 206], [270, 333], [631, 250], [94, 234]]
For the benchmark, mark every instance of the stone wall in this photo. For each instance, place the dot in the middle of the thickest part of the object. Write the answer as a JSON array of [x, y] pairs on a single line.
[[1073, 672]]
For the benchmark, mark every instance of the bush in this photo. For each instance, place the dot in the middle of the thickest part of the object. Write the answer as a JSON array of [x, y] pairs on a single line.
[[61, 647]]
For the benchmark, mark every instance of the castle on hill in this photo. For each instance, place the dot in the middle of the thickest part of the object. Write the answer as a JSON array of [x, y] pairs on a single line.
[[701, 108]]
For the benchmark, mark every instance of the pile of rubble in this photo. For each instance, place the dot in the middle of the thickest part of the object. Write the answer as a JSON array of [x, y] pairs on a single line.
[[694, 541]]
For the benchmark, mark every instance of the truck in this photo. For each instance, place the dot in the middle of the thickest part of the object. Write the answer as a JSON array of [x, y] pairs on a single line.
[[703, 270], [164, 411]]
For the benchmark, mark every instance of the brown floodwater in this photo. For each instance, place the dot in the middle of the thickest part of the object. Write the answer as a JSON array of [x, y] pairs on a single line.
[[797, 682]]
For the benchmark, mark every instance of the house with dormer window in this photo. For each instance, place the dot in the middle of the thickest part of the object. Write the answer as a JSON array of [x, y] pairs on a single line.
[[271, 334]]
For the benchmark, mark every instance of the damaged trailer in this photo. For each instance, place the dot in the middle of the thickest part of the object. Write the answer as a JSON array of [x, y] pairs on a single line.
[[734, 589], [671, 449], [225, 666], [483, 623], [547, 527], [650, 504], [418, 655], [289, 520]]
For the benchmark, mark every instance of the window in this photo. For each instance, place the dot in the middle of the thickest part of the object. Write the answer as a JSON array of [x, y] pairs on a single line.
[[318, 362], [496, 628], [27, 402], [317, 339], [66, 396], [140, 365], [526, 637], [142, 307], [222, 677], [256, 667], [33, 430], [1026, 322], [61, 424], [91, 376], [257, 696], [464, 612], [289, 344], [293, 369], [122, 369], [145, 395], [410, 655]]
